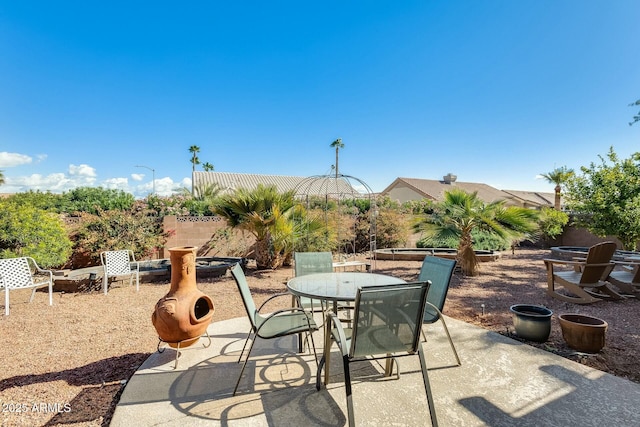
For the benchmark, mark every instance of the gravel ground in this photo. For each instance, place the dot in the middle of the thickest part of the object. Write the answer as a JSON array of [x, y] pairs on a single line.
[[67, 364]]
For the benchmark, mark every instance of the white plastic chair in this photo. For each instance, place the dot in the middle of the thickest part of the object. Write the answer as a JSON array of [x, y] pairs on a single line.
[[119, 263], [19, 273]]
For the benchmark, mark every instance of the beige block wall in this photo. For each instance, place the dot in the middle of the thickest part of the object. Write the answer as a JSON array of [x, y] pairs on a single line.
[[203, 232]]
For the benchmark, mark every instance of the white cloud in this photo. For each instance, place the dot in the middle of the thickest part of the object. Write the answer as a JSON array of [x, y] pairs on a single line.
[[8, 160], [82, 170], [185, 183], [85, 176], [166, 186], [116, 184]]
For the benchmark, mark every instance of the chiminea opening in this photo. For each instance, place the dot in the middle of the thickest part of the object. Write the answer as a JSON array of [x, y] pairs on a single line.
[[201, 308]]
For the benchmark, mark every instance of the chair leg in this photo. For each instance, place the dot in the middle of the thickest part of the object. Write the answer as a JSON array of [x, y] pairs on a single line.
[[605, 291], [327, 349], [347, 389], [51, 293], [105, 283], [33, 294], [453, 347], [446, 330], [245, 345], [427, 387], [243, 365], [6, 301], [319, 373], [313, 344]]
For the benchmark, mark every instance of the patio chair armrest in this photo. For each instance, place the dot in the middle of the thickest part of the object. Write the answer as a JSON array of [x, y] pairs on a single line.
[[45, 272], [273, 297], [338, 329], [562, 261], [625, 262], [603, 264], [287, 310]]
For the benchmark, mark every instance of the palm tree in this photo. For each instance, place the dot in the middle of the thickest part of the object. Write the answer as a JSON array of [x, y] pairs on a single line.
[[636, 118], [559, 177], [1, 177], [194, 150], [338, 145], [273, 218], [257, 211], [203, 192], [207, 167], [460, 213]]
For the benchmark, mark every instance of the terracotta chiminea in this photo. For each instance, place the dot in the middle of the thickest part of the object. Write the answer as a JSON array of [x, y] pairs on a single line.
[[183, 314]]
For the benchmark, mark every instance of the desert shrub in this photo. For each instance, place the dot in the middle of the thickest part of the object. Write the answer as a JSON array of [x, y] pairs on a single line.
[[34, 232], [115, 230], [392, 228], [170, 205]]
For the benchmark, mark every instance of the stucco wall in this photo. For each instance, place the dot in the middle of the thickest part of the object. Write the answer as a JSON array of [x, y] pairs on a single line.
[[402, 193], [210, 234]]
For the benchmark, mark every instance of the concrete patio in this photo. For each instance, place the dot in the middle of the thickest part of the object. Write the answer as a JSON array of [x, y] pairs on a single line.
[[501, 382]]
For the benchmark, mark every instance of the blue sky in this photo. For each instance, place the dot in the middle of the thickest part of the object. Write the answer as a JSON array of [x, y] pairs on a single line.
[[492, 91]]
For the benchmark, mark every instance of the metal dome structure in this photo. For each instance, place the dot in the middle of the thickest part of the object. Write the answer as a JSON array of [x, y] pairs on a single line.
[[336, 195]]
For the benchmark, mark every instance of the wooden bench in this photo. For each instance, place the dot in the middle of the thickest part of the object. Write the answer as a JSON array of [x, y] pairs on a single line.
[[345, 264], [21, 273]]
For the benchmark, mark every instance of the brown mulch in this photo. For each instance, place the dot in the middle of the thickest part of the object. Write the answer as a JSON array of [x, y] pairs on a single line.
[[68, 364]]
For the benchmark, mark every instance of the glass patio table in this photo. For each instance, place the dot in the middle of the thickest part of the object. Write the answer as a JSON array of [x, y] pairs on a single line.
[[337, 287]]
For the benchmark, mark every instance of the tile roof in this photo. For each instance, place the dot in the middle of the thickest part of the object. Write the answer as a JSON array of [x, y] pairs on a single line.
[[434, 189], [533, 197]]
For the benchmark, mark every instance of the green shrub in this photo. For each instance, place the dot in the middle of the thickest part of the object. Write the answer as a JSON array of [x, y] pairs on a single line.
[[37, 199], [552, 223], [481, 241], [34, 232], [94, 199]]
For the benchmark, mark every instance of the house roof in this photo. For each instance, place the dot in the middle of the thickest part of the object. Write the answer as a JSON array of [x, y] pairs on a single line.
[[435, 189], [533, 197], [320, 185]]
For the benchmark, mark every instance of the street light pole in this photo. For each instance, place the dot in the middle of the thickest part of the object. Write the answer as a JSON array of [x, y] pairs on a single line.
[[153, 175]]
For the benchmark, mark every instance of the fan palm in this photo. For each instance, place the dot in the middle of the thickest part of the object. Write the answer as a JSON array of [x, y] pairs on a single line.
[[337, 144], [194, 150], [460, 213], [273, 218], [559, 177]]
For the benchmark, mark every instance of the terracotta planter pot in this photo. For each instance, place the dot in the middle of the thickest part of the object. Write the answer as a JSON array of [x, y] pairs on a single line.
[[583, 333], [532, 322], [184, 313]]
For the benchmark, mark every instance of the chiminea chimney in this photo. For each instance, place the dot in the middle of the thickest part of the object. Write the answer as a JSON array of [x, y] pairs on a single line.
[[449, 178]]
